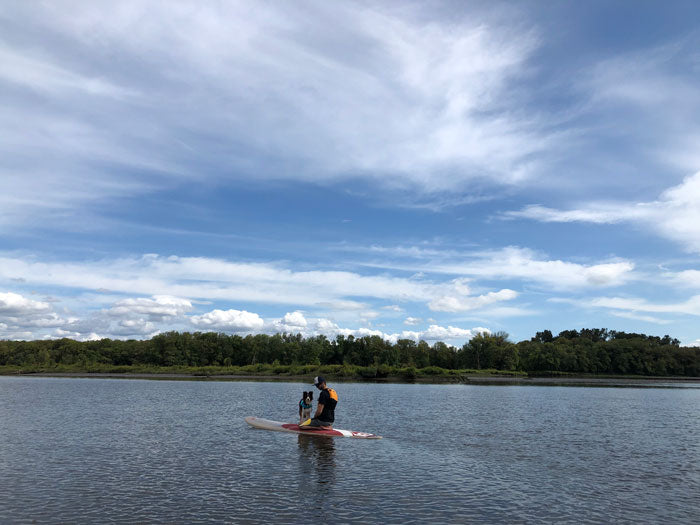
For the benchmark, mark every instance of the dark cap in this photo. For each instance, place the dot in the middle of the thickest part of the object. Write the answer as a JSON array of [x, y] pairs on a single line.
[[318, 380]]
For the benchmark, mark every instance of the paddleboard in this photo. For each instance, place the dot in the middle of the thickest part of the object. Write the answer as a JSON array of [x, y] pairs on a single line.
[[266, 424]]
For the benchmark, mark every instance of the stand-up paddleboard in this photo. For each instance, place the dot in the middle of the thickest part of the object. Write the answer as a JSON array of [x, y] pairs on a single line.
[[266, 424]]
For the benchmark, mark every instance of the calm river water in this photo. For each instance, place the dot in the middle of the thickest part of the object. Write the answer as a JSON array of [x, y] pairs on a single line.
[[136, 451]]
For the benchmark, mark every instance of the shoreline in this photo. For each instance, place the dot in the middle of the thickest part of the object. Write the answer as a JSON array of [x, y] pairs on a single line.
[[465, 379]]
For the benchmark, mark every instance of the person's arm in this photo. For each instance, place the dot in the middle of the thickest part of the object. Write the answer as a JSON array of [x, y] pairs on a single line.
[[319, 409]]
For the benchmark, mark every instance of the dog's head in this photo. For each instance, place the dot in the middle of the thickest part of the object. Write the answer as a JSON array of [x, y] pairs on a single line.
[[308, 397]]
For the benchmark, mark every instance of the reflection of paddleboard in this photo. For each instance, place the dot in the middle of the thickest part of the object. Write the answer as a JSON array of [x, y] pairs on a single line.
[[266, 424]]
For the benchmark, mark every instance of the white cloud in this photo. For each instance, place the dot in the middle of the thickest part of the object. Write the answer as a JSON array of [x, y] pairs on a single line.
[[459, 304], [158, 308], [630, 307], [508, 312], [294, 319], [78, 336], [135, 327], [393, 308], [675, 215], [20, 316], [38, 74], [228, 320], [689, 278], [322, 326], [15, 305], [133, 317], [638, 317], [214, 279], [341, 305], [412, 321], [521, 263], [437, 95], [689, 307], [292, 322], [143, 318], [511, 262], [441, 333]]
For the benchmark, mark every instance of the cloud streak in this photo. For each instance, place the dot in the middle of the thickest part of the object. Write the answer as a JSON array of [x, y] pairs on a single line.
[[675, 215], [210, 92], [507, 263], [214, 279]]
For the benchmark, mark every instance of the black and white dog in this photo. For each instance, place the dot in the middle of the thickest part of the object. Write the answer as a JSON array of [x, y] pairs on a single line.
[[305, 406]]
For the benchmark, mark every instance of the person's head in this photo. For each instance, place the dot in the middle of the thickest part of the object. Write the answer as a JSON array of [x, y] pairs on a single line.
[[319, 382]]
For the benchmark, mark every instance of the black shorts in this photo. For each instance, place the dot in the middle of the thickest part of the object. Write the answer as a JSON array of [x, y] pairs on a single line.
[[318, 423]]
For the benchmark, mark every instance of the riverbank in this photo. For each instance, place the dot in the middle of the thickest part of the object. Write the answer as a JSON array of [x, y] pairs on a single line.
[[480, 377]]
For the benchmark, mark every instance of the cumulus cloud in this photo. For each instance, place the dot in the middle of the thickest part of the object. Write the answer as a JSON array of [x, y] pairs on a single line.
[[675, 215], [441, 333], [78, 336], [128, 317], [292, 322], [23, 318], [15, 305], [228, 320], [20, 316], [411, 321], [330, 329], [294, 319], [134, 327]]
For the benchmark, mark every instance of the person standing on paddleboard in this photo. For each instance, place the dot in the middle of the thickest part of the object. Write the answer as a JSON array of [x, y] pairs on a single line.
[[325, 411]]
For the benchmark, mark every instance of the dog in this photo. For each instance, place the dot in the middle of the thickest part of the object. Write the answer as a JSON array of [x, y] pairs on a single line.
[[305, 406]]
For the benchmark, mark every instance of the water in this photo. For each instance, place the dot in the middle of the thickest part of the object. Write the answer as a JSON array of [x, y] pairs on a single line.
[[126, 451]]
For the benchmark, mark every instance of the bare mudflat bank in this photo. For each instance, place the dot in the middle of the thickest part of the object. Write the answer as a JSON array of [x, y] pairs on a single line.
[[623, 381]]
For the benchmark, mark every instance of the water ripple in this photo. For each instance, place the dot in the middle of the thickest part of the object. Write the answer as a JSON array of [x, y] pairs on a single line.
[[114, 451]]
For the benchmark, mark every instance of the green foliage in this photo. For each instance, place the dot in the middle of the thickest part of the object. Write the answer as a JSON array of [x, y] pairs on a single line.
[[588, 351], [409, 373]]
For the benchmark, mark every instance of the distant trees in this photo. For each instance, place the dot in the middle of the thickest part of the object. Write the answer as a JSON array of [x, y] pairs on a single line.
[[589, 351], [486, 351]]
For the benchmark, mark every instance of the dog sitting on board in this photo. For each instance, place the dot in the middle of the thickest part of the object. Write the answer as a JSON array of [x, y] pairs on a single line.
[[305, 406]]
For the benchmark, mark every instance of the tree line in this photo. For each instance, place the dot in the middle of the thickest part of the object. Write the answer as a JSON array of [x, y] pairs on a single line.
[[588, 351]]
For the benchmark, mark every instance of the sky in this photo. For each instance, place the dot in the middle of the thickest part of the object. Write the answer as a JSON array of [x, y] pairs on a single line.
[[421, 170]]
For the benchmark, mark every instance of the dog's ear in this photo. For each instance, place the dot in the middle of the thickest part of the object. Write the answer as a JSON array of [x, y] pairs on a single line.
[[311, 395]]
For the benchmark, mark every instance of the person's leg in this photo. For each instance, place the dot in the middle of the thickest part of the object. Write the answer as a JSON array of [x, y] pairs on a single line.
[[317, 424]]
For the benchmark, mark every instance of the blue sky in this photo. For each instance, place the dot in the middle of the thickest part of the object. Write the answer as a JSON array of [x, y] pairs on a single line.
[[420, 170]]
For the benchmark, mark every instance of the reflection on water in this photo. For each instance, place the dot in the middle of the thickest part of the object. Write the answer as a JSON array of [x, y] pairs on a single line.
[[317, 457]]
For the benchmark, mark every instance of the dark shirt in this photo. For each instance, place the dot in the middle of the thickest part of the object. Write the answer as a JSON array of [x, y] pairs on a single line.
[[328, 399]]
